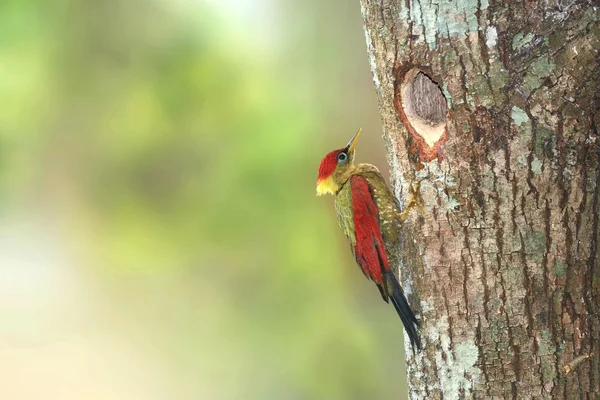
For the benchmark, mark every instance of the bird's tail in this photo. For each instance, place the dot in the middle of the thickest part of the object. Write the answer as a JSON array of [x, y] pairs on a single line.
[[411, 324]]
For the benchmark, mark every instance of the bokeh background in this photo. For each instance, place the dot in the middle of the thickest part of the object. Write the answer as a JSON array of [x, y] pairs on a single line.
[[160, 237]]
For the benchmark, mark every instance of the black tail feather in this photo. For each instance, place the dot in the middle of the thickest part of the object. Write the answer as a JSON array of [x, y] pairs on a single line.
[[411, 324]]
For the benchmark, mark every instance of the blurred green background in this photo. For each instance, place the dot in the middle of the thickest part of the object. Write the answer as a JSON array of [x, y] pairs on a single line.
[[160, 236]]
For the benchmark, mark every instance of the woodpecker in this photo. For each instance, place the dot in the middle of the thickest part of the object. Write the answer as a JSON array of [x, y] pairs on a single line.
[[370, 216]]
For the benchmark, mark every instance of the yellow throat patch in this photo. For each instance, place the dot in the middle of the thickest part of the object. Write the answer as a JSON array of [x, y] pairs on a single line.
[[326, 185]]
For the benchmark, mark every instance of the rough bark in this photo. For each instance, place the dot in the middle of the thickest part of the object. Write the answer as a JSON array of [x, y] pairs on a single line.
[[503, 264]]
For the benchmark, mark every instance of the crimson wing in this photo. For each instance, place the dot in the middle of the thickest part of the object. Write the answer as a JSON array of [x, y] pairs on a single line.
[[369, 250]]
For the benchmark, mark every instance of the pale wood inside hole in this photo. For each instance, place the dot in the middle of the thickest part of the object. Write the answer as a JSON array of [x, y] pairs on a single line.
[[424, 105]]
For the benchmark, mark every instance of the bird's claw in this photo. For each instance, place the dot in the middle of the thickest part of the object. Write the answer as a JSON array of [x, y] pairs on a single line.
[[414, 199]]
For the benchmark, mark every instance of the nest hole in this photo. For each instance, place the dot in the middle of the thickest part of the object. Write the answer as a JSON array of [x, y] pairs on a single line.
[[424, 105]]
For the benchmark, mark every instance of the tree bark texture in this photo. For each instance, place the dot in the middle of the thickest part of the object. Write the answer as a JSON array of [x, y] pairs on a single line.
[[503, 263]]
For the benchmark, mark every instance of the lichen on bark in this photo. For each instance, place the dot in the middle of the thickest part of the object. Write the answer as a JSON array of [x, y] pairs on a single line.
[[503, 263]]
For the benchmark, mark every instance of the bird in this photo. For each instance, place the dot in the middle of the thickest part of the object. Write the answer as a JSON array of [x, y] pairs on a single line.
[[371, 218]]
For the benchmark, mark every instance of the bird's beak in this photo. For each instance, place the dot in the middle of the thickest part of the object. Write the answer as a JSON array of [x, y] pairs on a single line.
[[352, 141]]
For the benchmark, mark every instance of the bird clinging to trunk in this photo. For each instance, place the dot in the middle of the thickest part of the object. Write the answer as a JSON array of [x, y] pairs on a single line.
[[370, 216]]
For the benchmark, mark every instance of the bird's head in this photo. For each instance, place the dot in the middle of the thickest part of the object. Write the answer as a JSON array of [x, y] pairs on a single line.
[[335, 168]]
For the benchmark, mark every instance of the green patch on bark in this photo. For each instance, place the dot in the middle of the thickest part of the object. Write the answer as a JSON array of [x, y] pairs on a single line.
[[446, 18], [447, 95], [530, 84], [548, 372], [520, 40], [464, 365], [483, 91], [545, 343], [453, 203], [536, 166], [512, 243], [536, 74], [467, 353], [450, 181], [535, 245], [458, 362], [487, 180], [542, 67], [498, 76], [513, 277], [559, 268], [544, 144], [470, 99], [496, 329], [519, 116]]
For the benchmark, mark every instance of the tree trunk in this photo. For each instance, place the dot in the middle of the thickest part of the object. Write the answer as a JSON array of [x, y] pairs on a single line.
[[498, 104]]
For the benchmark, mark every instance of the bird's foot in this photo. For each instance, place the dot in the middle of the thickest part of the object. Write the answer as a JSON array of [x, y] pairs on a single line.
[[414, 199]]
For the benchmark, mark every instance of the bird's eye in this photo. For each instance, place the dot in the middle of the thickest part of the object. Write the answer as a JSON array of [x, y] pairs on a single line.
[[342, 157]]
